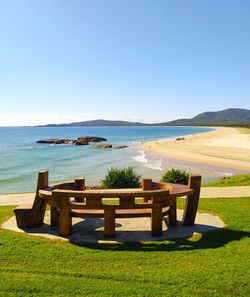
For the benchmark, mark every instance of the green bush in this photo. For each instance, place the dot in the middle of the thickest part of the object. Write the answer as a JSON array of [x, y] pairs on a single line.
[[118, 178], [176, 176]]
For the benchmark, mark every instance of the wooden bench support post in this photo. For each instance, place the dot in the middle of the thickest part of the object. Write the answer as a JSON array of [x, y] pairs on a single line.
[[65, 222], [146, 186], [192, 201], [172, 216], [54, 216], [156, 217], [109, 222], [79, 186]]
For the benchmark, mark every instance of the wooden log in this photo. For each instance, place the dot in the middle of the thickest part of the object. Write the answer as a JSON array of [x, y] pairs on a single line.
[[79, 186], [114, 193], [94, 202], [127, 202], [146, 186], [156, 217], [172, 215], [65, 222], [54, 216], [109, 222], [192, 201]]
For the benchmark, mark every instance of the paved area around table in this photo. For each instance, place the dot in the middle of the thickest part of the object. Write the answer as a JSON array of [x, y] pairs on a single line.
[[132, 229]]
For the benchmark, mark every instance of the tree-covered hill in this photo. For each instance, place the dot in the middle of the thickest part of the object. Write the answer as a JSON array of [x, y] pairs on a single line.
[[228, 117]]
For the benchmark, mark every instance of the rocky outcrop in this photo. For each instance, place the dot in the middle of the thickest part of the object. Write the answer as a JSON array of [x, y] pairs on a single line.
[[83, 140], [56, 141], [120, 147], [103, 146], [80, 141], [91, 139]]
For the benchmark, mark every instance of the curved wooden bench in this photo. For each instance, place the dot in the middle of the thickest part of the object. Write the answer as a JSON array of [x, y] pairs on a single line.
[[70, 199], [95, 204], [159, 199]]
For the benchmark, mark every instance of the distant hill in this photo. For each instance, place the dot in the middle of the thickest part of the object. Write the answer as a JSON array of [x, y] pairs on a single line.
[[98, 123], [228, 117]]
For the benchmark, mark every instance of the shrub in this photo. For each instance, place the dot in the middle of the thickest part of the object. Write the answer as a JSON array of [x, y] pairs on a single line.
[[176, 176], [118, 178]]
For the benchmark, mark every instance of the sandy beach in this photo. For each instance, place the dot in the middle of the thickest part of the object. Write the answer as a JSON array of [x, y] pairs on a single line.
[[225, 147]]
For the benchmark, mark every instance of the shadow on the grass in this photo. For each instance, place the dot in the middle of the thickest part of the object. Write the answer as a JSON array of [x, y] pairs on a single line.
[[209, 240]]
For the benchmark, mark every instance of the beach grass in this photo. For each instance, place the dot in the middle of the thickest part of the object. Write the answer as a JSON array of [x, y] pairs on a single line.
[[244, 130], [236, 180], [213, 264]]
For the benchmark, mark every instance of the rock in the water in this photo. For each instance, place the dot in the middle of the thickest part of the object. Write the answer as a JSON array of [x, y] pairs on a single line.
[[91, 139], [81, 142], [103, 146], [120, 147], [55, 141]]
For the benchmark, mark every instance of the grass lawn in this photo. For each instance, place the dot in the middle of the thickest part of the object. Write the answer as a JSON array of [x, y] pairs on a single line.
[[214, 264], [244, 130], [236, 180]]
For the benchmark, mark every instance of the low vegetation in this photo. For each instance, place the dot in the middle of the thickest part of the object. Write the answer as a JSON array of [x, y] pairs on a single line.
[[245, 130], [176, 176], [228, 117], [213, 264], [236, 180], [118, 178]]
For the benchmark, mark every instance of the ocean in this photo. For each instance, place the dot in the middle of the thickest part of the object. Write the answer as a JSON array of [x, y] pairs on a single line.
[[21, 157]]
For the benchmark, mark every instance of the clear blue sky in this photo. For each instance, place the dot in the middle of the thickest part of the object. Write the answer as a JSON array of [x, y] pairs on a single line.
[[62, 61]]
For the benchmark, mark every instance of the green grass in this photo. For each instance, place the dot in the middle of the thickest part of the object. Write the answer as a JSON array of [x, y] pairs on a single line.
[[244, 130], [214, 264], [236, 180]]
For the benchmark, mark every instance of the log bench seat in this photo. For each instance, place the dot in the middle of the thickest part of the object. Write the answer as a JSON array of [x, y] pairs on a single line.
[[120, 213]]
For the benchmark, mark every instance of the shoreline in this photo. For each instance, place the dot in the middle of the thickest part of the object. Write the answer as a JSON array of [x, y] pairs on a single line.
[[223, 147], [65, 162], [156, 155]]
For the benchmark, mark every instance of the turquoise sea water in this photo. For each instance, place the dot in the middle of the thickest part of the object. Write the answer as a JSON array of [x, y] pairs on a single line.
[[21, 157]]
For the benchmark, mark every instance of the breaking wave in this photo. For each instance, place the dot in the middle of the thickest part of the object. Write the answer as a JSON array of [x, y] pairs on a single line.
[[152, 163]]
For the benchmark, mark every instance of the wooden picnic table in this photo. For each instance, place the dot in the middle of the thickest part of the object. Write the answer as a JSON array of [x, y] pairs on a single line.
[[68, 200]]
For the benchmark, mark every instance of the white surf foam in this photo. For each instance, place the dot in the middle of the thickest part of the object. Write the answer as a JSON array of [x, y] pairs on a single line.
[[141, 158], [156, 164], [152, 163]]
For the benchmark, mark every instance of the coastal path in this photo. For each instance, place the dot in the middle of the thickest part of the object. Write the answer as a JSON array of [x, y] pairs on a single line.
[[210, 192]]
